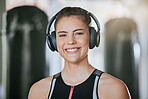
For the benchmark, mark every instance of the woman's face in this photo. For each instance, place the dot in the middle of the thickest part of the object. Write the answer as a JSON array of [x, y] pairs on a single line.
[[72, 38]]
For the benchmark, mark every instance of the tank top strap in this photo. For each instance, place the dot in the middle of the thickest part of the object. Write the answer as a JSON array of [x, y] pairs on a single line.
[[98, 74], [53, 84], [56, 75]]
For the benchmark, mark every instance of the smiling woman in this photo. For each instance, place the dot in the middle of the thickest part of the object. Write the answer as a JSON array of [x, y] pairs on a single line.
[[72, 38], [75, 39]]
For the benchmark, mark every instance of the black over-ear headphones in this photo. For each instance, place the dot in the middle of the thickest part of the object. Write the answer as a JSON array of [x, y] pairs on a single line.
[[94, 35]]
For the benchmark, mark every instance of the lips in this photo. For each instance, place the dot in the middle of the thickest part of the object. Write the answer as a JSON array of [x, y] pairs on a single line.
[[72, 50]]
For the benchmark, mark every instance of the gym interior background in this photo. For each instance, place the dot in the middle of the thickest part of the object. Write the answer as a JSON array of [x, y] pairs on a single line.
[[25, 57]]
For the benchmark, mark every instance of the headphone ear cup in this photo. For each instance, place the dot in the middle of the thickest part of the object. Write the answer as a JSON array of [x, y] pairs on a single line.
[[93, 37], [52, 41]]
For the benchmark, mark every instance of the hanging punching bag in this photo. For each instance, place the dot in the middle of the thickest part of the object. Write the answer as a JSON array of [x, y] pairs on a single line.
[[26, 26], [122, 52]]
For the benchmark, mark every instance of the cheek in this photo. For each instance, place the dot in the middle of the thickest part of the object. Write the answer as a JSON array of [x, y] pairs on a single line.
[[85, 41], [59, 44]]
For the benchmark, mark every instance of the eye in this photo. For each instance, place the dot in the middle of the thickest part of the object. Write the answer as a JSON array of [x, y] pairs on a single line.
[[79, 33], [62, 35]]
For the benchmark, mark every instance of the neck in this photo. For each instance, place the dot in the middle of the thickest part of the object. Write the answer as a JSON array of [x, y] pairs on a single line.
[[74, 73], [70, 67]]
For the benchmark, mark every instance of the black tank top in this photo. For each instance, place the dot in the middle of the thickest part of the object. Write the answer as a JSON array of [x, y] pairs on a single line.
[[86, 90]]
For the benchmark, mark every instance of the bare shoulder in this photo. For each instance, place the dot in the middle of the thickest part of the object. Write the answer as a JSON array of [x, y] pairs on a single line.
[[112, 88], [40, 89]]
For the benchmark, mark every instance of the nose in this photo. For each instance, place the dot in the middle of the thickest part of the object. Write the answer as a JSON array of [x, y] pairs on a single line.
[[71, 39]]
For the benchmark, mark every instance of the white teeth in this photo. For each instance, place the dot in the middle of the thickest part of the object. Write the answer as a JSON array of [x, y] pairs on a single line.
[[71, 50]]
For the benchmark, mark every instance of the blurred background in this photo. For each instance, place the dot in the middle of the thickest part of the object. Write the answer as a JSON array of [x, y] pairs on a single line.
[[25, 57]]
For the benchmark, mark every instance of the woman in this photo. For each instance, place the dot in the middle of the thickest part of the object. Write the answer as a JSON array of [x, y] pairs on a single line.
[[78, 79]]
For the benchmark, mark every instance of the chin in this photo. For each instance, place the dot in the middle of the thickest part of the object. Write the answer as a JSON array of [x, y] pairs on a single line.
[[73, 61], [76, 60]]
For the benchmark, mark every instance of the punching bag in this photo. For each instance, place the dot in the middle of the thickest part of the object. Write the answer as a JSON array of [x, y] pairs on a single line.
[[122, 51], [25, 32]]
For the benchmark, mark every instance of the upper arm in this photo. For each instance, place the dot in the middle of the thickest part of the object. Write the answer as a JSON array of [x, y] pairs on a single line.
[[112, 88], [119, 91], [34, 92], [40, 89]]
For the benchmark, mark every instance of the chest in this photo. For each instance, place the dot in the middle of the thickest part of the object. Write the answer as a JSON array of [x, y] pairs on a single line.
[[81, 91], [85, 90]]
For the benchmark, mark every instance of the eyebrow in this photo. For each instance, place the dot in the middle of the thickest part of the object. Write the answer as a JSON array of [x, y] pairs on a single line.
[[62, 32], [78, 30], [73, 31]]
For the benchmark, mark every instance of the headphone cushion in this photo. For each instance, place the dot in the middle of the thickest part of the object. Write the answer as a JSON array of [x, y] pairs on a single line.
[[98, 39], [93, 37]]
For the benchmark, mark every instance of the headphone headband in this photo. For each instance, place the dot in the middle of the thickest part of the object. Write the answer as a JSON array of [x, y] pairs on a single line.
[[96, 21], [49, 24], [54, 17]]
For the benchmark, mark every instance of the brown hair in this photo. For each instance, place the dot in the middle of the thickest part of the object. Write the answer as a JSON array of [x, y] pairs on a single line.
[[69, 11]]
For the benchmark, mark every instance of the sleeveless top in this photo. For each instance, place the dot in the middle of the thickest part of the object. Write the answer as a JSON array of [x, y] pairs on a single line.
[[85, 90]]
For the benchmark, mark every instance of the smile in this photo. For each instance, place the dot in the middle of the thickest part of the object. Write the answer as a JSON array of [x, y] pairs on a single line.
[[72, 49]]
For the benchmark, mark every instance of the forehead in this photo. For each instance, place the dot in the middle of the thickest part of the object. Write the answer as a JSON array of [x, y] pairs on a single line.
[[69, 20], [76, 16]]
